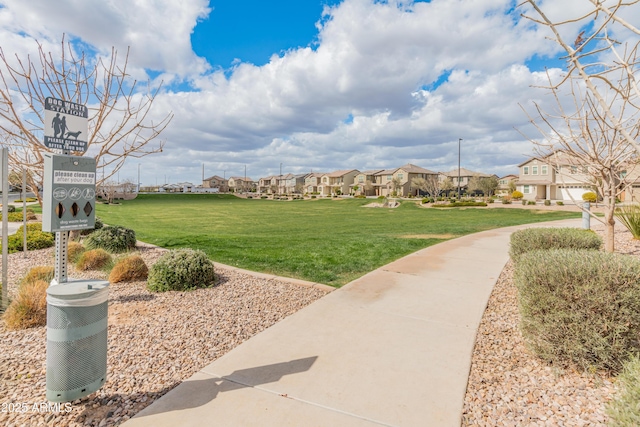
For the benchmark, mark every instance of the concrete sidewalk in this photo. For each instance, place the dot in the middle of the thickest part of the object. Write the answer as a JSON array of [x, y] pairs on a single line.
[[392, 348]]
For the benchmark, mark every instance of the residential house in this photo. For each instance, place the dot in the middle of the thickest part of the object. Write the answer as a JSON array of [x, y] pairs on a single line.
[[406, 174], [294, 183], [364, 182], [337, 182], [383, 185], [312, 181], [464, 176], [240, 184], [268, 184], [216, 182], [505, 185], [557, 176]]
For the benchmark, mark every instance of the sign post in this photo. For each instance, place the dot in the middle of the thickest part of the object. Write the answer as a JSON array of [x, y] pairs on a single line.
[[4, 171], [65, 129]]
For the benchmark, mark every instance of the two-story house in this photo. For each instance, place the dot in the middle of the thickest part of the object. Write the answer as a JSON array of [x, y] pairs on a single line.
[[216, 182], [337, 182], [506, 185], [240, 184], [363, 183], [312, 181], [557, 176], [294, 183], [464, 176]]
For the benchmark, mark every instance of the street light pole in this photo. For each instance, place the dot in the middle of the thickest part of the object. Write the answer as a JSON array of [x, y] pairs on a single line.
[[459, 140], [280, 180]]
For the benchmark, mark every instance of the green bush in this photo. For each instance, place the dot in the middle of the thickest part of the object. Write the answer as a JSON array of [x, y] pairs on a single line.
[[547, 202], [590, 197], [114, 239], [624, 409], [517, 195], [560, 203], [181, 269], [630, 217], [524, 202], [35, 240], [580, 308], [506, 201], [11, 208], [531, 202], [531, 239], [97, 226]]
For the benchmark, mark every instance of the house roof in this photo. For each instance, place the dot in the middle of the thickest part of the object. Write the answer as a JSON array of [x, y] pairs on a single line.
[[464, 172], [409, 168], [387, 172], [370, 172], [340, 173], [509, 176], [216, 177]]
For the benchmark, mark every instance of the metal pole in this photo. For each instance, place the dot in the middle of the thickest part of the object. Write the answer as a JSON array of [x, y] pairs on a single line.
[[138, 177], [280, 180], [62, 239], [4, 165], [459, 140], [24, 212]]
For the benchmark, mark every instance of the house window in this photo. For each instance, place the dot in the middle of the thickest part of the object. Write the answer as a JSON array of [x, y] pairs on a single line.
[[400, 176], [574, 169], [361, 179], [526, 189], [525, 170], [543, 169], [534, 170], [389, 177], [325, 180]]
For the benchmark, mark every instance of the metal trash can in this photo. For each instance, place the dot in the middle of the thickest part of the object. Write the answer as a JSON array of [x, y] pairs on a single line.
[[76, 338]]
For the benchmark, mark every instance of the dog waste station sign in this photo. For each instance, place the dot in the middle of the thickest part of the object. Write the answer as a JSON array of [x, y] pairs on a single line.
[[65, 125], [70, 193]]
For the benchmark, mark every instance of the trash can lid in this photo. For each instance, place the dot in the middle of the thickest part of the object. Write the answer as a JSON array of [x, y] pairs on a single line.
[[75, 289]]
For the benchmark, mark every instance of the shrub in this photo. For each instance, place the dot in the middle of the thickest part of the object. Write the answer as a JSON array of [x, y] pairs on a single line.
[[630, 217], [517, 195], [560, 203], [29, 309], [590, 197], [179, 270], [74, 250], [313, 197], [532, 239], [94, 259], [531, 202], [31, 227], [114, 239], [490, 200], [547, 202], [524, 202], [39, 272], [623, 410], [11, 208], [458, 204], [506, 201], [264, 197], [127, 269], [35, 240], [97, 226], [580, 308], [31, 199]]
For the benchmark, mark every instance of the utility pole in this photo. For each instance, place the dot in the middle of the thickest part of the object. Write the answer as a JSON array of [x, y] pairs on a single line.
[[459, 140], [280, 180]]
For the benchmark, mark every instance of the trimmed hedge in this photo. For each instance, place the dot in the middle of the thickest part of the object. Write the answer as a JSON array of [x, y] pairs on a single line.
[[532, 239], [181, 270], [580, 307], [458, 204]]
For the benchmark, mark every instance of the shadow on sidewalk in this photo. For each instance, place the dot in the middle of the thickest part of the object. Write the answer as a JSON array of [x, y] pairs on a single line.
[[198, 392]]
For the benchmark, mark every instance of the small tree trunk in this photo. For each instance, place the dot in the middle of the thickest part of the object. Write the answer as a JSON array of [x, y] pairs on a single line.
[[609, 224]]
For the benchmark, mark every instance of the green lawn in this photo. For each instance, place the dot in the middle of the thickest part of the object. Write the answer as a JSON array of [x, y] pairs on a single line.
[[325, 241]]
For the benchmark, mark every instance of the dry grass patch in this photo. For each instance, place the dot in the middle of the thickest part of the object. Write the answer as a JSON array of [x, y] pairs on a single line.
[[94, 259], [129, 269], [29, 309]]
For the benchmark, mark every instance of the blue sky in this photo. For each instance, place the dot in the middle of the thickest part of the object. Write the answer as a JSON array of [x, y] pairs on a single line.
[[318, 85]]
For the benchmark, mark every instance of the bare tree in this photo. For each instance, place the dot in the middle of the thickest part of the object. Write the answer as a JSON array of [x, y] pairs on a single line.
[[431, 185], [488, 186], [368, 187], [599, 131], [473, 185], [446, 185], [107, 190], [119, 122]]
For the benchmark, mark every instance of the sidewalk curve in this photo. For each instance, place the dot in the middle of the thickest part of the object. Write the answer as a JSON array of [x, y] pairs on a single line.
[[392, 348]]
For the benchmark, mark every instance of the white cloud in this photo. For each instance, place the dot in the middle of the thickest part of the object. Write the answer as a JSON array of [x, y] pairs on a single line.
[[364, 97]]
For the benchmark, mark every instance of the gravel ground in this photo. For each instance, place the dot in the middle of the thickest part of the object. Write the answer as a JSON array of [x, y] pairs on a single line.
[[156, 340], [508, 386]]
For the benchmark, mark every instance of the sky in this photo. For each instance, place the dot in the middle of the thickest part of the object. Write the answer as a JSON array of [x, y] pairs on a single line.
[[298, 86]]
